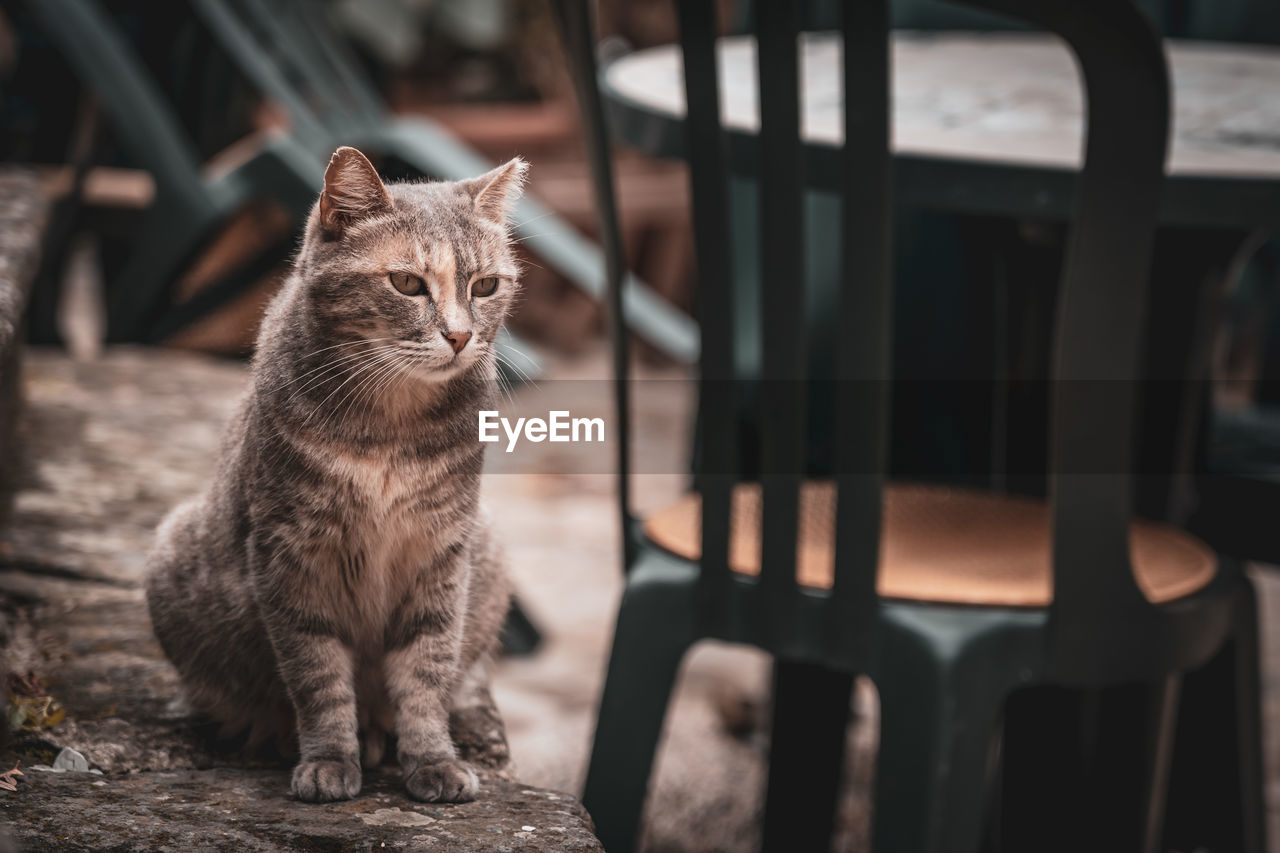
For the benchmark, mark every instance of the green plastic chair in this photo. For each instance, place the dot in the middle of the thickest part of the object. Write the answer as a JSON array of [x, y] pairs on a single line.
[[190, 204], [286, 49], [944, 666], [193, 202]]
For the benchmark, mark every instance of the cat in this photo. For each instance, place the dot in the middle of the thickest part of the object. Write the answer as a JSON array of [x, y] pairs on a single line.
[[338, 579]]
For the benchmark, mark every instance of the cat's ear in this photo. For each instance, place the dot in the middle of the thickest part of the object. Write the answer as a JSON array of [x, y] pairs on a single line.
[[352, 191], [497, 191]]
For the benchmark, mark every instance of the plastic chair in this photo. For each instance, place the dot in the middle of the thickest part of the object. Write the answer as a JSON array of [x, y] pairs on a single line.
[[287, 50], [190, 204], [950, 600]]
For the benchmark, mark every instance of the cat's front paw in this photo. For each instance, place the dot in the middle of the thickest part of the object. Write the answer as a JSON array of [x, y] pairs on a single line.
[[326, 781], [445, 782]]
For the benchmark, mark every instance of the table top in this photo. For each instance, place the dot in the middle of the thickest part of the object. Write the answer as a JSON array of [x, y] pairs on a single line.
[[1012, 101]]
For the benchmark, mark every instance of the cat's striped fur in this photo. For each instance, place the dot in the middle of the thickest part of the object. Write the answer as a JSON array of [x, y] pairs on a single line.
[[338, 578]]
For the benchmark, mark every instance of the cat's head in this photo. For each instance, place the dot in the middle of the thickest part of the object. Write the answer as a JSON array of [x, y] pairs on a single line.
[[428, 268]]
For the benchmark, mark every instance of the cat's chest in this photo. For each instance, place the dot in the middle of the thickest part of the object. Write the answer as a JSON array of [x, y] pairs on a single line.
[[387, 492], [389, 513]]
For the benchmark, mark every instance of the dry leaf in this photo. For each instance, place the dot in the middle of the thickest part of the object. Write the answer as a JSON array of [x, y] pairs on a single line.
[[9, 780]]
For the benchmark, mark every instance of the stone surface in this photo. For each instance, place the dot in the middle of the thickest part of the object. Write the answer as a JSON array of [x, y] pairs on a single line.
[[23, 211], [236, 809], [113, 444]]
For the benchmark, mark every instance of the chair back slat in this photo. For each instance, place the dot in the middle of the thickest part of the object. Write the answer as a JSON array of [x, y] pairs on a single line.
[[779, 394], [575, 25], [1101, 311], [717, 454], [862, 374], [782, 397]]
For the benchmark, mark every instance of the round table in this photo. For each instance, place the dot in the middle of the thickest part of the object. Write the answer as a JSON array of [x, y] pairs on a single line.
[[991, 123]]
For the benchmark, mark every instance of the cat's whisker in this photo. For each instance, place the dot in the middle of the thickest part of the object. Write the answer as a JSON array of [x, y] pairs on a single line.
[[404, 374], [336, 368], [326, 363], [532, 220], [332, 363], [511, 364], [393, 387], [491, 360], [522, 376], [515, 349], [363, 368], [378, 383], [371, 385], [347, 344], [527, 237], [347, 405]]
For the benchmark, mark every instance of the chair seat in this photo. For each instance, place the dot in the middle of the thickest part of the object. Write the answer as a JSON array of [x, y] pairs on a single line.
[[940, 544]]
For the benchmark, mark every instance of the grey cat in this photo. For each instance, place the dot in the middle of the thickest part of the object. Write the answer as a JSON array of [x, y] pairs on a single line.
[[338, 578]]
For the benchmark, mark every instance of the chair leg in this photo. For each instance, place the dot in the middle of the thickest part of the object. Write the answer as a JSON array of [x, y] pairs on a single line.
[[1249, 741], [1049, 734], [938, 712], [653, 633], [1216, 795], [806, 755]]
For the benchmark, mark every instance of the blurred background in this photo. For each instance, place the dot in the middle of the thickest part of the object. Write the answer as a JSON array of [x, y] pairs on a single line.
[[156, 160], [491, 74]]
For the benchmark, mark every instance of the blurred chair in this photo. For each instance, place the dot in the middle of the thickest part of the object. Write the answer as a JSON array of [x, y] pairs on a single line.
[[190, 204], [287, 50], [948, 599], [193, 200]]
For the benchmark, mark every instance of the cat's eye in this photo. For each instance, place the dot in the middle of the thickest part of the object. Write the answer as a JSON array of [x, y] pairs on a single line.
[[485, 286], [409, 285]]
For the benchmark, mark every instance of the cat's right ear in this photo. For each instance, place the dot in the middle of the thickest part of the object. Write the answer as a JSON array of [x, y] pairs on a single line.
[[352, 192]]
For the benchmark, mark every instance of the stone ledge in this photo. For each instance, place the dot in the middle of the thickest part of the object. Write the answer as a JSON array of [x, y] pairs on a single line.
[[23, 212], [229, 809]]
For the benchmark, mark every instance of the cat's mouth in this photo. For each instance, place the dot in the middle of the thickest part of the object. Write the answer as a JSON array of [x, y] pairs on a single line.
[[437, 363]]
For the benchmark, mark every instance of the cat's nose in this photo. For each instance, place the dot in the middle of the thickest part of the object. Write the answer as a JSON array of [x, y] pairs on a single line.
[[457, 340]]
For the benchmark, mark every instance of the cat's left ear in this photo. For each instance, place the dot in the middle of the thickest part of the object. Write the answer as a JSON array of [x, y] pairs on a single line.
[[496, 192], [352, 191]]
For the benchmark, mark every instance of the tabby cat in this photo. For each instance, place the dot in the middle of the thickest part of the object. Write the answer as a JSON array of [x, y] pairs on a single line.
[[338, 579]]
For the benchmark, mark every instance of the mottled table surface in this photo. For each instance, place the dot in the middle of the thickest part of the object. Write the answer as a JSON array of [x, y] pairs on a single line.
[[1009, 98]]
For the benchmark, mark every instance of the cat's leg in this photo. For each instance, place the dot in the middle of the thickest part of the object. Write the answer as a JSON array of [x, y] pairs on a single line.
[[423, 646], [317, 672], [317, 665]]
